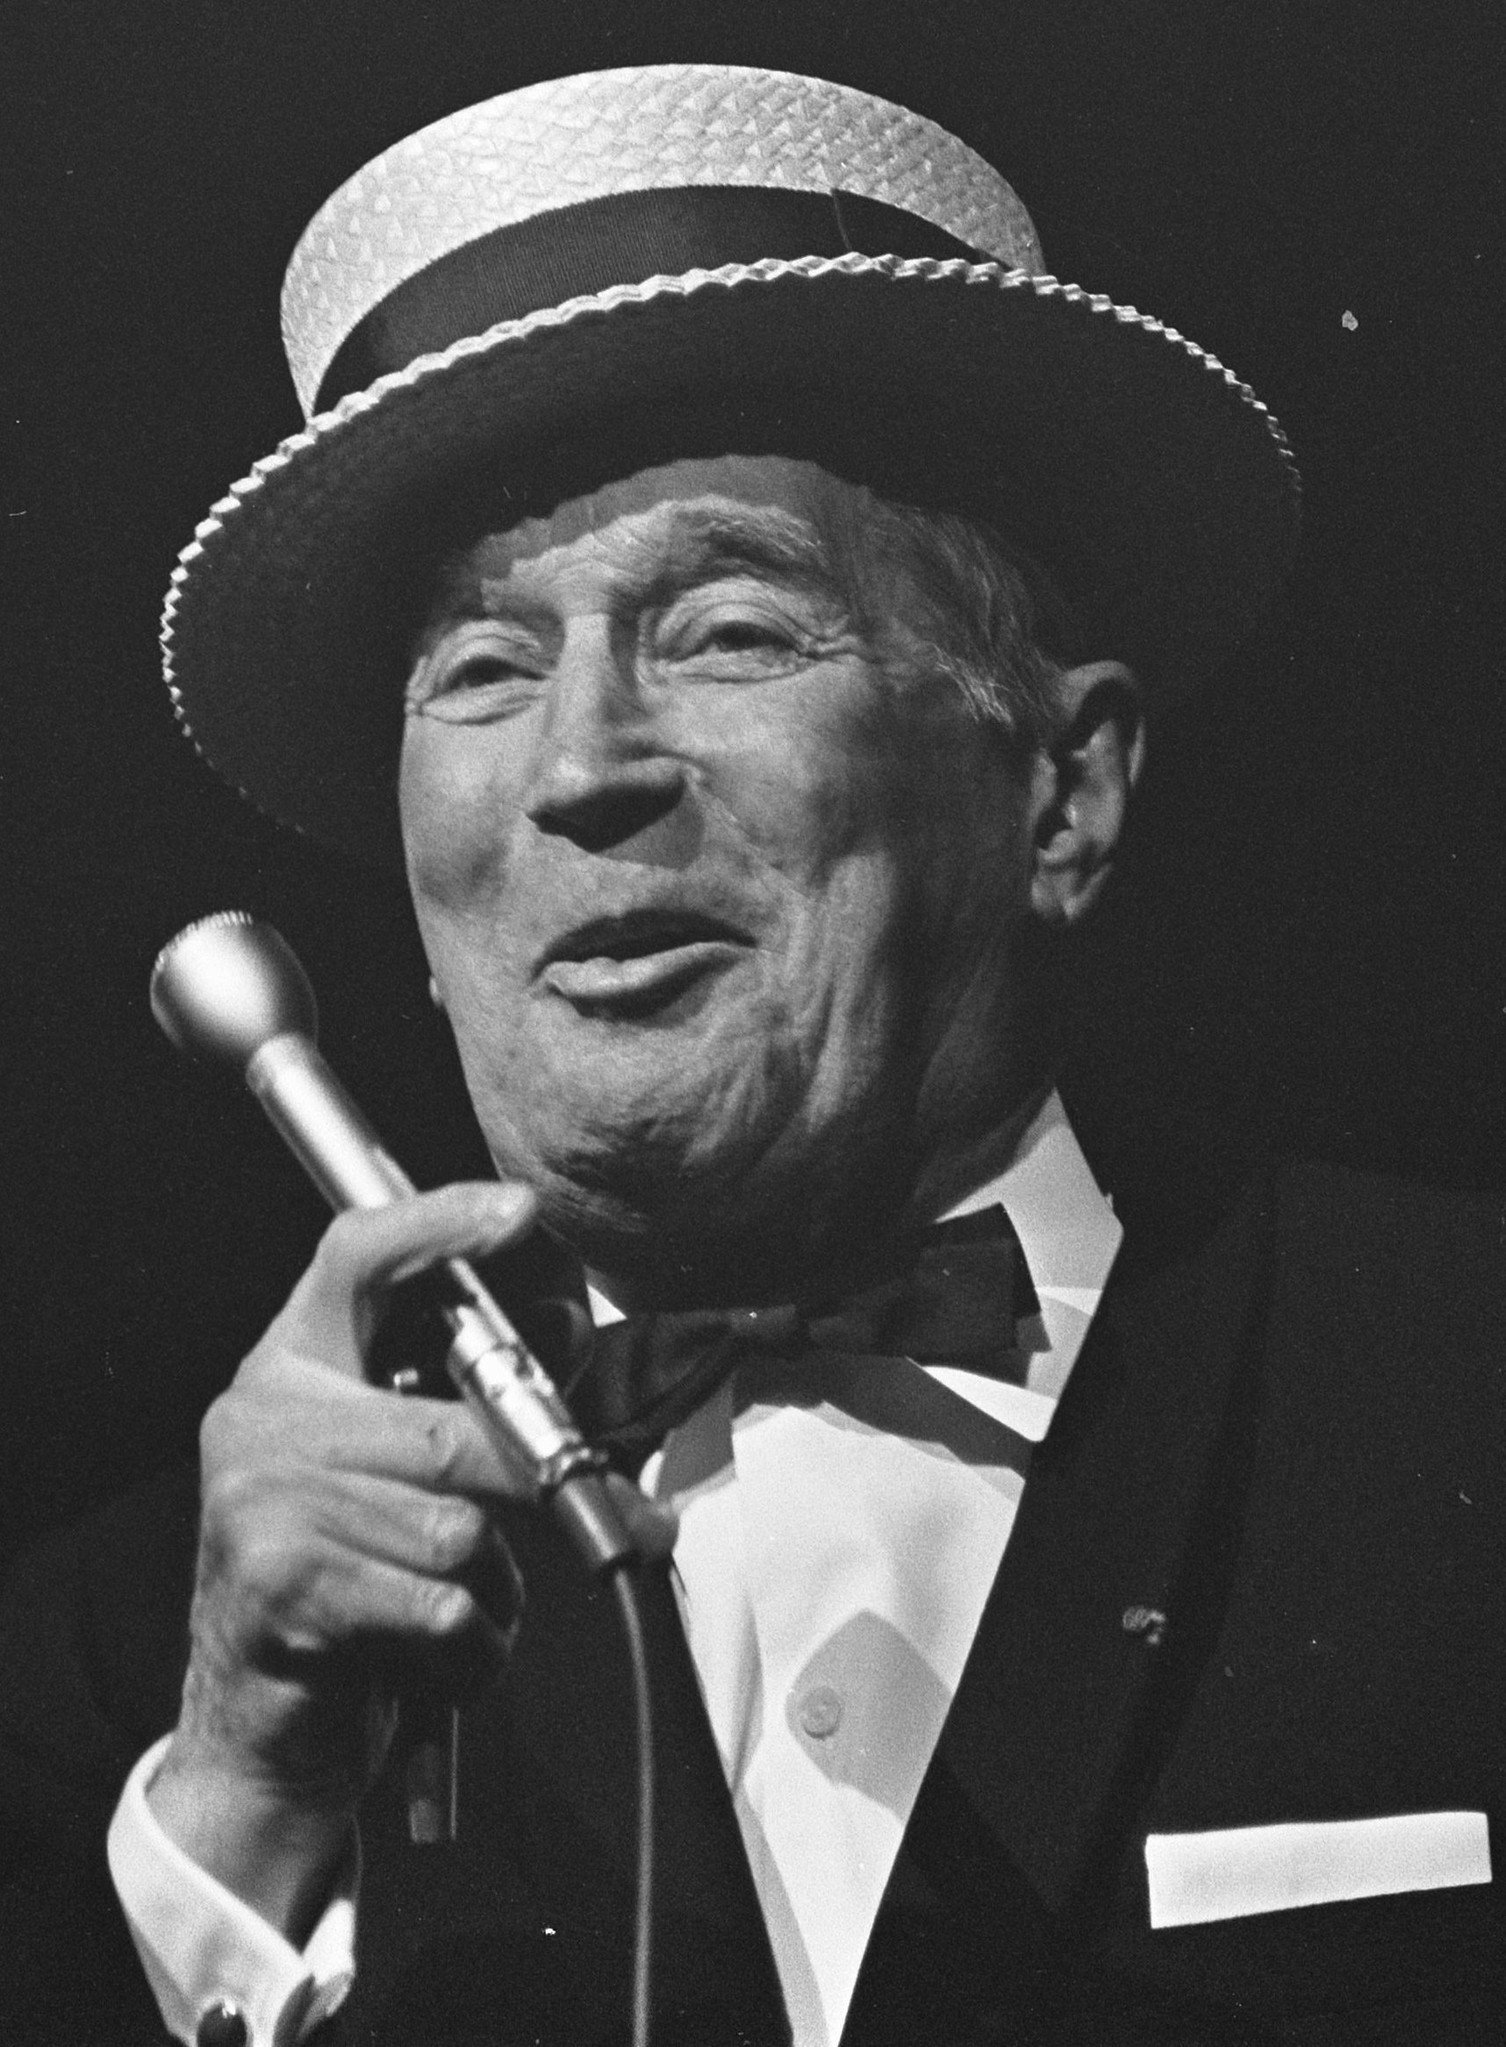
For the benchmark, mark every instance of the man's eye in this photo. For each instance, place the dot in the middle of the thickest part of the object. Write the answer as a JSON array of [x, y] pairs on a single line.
[[478, 670], [741, 635], [732, 646]]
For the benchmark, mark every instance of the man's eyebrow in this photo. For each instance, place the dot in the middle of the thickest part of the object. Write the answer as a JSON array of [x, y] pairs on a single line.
[[701, 541], [765, 540]]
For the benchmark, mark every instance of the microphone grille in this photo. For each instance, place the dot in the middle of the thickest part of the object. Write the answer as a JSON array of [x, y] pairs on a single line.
[[227, 984], [200, 924]]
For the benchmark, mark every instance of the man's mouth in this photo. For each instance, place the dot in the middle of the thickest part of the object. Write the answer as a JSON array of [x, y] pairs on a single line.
[[640, 960]]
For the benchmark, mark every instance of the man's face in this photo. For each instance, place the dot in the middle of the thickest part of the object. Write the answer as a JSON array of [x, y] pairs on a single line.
[[706, 862]]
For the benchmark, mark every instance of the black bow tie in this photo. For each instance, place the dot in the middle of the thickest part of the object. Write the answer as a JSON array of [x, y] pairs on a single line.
[[959, 1291]]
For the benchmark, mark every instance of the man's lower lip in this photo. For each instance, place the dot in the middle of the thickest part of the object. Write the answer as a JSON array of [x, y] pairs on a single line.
[[604, 982]]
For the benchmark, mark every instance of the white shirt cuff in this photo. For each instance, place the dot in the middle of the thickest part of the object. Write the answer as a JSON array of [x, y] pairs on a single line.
[[201, 1945]]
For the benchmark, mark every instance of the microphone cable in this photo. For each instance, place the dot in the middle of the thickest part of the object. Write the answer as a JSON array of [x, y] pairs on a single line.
[[625, 1587]]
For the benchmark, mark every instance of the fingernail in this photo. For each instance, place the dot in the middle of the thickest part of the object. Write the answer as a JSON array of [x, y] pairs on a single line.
[[509, 1201]]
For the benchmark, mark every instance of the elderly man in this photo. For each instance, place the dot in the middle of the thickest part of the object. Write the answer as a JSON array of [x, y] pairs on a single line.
[[685, 447]]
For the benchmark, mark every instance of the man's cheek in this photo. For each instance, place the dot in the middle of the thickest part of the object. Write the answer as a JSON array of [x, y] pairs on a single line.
[[796, 821], [455, 845], [842, 988]]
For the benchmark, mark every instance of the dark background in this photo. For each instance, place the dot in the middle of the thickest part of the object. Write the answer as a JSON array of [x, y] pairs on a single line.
[[1313, 916]]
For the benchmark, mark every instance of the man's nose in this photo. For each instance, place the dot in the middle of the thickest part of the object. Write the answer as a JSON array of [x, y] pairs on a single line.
[[600, 775]]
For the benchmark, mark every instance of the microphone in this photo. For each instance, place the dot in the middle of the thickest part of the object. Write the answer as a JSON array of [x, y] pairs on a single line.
[[231, 990]]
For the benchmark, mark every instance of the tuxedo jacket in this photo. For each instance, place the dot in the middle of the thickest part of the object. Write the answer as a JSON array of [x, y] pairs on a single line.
[[1257, 1577]]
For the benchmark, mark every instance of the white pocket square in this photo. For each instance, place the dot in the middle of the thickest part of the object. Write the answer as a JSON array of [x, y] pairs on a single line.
[[1235, 1871]]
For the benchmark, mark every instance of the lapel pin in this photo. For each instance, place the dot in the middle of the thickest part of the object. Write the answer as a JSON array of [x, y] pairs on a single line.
[[1148, 1622]]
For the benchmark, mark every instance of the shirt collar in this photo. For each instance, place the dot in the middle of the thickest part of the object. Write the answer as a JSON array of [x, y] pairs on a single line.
[[1070, 1236]]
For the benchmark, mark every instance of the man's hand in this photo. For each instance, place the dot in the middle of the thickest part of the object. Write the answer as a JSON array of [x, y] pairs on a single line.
[[346, 1547]]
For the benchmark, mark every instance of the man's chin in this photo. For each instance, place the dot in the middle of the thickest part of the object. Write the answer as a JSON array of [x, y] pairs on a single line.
[[669, 1215], [630, 1177], [666, 1083], [630, 1187], [635, 1232], [618, 1133]]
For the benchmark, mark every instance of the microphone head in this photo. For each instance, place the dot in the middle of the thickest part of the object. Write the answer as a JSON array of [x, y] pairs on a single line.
[[227, 984]]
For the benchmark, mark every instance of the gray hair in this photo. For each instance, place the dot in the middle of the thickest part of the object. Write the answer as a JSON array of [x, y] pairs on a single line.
[[996, 624]]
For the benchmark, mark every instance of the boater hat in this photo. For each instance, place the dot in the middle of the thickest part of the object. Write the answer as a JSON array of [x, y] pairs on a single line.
[[624, 261]]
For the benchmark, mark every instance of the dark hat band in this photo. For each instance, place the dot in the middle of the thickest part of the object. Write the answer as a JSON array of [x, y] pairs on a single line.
[[624, 237]]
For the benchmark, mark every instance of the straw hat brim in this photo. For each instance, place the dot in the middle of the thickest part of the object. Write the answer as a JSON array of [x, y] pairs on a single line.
[[1152, 481]]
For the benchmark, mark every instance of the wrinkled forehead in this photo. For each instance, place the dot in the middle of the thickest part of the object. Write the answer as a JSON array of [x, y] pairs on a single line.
[[685, 504]]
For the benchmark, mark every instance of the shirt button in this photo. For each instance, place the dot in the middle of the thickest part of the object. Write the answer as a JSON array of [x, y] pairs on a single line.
[[821, 1712], [222, 2024]]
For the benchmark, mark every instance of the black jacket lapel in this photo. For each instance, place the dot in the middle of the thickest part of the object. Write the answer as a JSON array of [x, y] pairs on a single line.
[[1108, 1588]]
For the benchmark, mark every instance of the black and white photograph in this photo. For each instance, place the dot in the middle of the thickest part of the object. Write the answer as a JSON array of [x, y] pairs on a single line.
[[754, 1138]]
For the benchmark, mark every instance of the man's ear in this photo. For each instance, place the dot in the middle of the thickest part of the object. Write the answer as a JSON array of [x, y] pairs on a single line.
[[1081, 789]]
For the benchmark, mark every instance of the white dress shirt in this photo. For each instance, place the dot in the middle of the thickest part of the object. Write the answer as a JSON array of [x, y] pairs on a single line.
[[833, 1559]]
